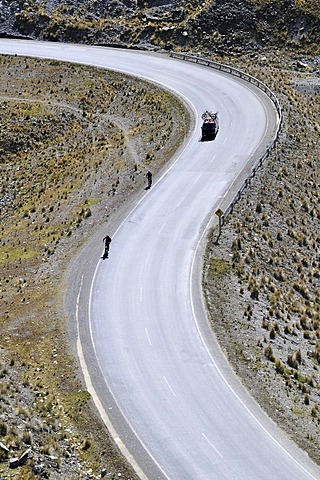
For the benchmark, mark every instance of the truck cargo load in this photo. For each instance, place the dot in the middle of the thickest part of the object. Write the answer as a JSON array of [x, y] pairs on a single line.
[[210, 125]]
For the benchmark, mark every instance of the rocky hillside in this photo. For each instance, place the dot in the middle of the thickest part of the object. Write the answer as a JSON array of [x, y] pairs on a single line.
[[220, 26]]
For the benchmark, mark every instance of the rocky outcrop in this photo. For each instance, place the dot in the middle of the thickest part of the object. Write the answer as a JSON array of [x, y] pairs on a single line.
[[18, 461], [215, 25]]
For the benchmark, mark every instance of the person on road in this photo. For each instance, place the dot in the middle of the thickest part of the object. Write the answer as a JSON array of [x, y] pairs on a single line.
[[149, 178], [107, 241]]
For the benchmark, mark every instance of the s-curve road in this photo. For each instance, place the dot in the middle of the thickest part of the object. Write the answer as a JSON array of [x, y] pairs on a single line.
[[158, 378]]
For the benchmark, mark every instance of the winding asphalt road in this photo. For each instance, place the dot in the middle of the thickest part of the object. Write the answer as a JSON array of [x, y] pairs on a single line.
[[157, 376]]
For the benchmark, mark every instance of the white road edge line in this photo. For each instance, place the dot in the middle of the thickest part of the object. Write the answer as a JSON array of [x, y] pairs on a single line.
[[86, 374], [96, 399], [89, 385], [221, 374]]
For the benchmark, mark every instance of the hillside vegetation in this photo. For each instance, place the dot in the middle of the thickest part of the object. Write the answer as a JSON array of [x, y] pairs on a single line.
[[76, 143], [262, 280], [221, 26]]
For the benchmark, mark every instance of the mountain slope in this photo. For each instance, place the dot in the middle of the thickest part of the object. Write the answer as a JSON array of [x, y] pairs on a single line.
[[216, 25]]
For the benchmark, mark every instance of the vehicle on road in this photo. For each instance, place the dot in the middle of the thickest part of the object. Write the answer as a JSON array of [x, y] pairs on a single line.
[[210, 125]]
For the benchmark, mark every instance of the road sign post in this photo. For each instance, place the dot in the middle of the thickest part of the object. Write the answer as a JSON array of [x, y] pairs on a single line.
[[219, 214]]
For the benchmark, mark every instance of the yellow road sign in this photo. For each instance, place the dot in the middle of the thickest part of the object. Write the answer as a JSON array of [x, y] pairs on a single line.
[[219, 212]]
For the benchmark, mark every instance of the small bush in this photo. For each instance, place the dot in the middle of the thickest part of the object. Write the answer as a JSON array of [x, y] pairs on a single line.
[[3, 428], [314, 411], [280, 367], [268, 351], [292, 361]]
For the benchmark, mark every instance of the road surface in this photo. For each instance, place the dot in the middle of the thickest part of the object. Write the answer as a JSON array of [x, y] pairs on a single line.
[[157, 376]]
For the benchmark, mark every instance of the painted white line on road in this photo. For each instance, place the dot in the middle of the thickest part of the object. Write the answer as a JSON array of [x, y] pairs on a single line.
[[224, 378], [180, 202], [197, 178], [147, 258], [224, 195], [169, 386], [211, 445], [162, 227], [148, 337], [106, 420]]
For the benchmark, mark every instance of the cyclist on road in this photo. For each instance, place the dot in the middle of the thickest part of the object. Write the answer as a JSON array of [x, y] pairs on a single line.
[[107, 241]]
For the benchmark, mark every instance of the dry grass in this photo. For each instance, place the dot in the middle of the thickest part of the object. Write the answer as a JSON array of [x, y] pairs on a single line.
[[75, 143], [274, 237], [188, 26]]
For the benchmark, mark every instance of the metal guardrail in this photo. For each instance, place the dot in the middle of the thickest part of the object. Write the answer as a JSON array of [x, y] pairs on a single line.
[[254, 81]]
